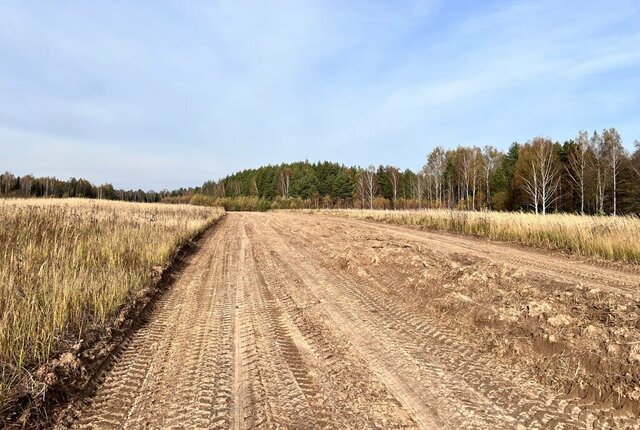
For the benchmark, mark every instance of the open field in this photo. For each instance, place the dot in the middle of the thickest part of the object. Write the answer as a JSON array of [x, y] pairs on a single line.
[[611, 238], [68, 265], [291, 320]]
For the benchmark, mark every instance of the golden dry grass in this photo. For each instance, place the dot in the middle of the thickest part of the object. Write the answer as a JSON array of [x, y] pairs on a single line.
[[611, 238], [67, 264]]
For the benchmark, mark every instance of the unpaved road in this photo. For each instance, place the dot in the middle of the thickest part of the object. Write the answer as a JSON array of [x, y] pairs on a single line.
[[274, 323]]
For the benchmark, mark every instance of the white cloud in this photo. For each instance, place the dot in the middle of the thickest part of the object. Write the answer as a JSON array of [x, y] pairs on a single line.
[[195, 90]]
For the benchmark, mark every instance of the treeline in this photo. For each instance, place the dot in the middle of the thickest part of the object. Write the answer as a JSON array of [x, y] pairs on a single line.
[[30, 186], [590, 174]]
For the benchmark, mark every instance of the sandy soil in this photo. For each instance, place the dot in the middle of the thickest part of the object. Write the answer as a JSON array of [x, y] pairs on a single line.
[[289, 320]]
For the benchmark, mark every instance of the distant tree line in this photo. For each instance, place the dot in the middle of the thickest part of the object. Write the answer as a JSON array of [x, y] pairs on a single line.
[[590, 174], [31, 186]]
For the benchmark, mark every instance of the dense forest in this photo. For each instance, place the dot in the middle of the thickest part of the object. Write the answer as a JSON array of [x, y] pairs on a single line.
[[30, 186], [590, 174]]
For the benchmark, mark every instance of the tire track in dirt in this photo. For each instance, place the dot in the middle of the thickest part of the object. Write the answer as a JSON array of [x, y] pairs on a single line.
[[339, 386], [263, 329], [250, 406], [557, 266], [401, 385], [298, 387], [486, 389], [282, 399], [226, 348], [175, 370]]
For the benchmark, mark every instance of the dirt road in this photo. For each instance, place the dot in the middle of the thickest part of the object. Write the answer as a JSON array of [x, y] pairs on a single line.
[[297, 321]]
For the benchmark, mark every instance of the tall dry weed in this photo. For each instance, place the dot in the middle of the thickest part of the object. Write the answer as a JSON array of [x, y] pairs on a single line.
[[67, 264], [611, 238]]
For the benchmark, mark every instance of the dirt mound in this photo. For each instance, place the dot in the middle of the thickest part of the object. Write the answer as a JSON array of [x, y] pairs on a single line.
[[580, 340]]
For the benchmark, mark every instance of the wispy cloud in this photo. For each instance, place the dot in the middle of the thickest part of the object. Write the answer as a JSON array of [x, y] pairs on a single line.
[[173, 93]]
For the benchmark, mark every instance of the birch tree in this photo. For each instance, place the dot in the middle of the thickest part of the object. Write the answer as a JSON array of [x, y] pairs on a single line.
[[613, 154], [437, 163], [285, 182], [394, 179], [539, 168], [463, 167], [474, 174], [635, 161], [418, 187], [361, 188], [469, 161], [7, 180], [25, 183], [370, 183], [598, 165], [578, 164], [429, 185], [491, 161]]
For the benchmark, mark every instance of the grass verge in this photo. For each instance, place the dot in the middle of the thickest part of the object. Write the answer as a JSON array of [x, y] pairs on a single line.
[[68, 266], [610, 238]]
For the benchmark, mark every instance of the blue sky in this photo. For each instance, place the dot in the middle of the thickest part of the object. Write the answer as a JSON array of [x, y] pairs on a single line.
[[162, 94]]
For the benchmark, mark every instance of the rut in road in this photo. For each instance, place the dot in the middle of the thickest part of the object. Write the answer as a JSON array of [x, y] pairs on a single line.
[[263, 330], [222, 349]]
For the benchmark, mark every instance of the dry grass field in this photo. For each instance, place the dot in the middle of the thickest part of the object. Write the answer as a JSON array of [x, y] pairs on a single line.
[[68, 264], [611, 238]]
